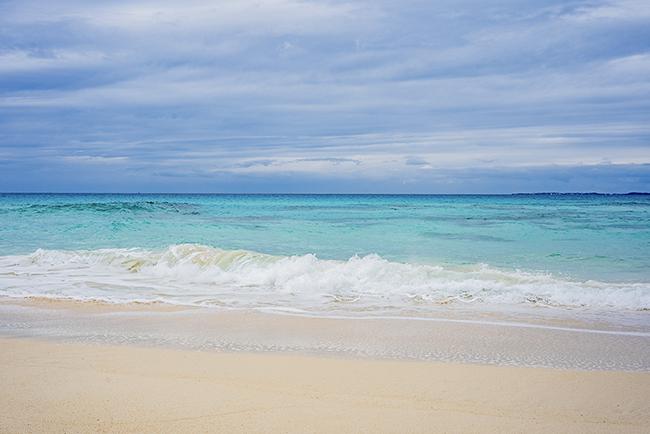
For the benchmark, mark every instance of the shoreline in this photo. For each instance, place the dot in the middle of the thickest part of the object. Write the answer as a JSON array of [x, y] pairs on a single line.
[[570, 320], [72, 387], [90, 366], [447, 339]]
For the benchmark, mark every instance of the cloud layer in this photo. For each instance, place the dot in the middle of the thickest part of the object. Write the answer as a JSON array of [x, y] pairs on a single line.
[[327, 96]]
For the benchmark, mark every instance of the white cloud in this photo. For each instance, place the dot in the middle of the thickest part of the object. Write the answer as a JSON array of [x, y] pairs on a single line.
[[636, 66], [380, 155], [617, 10], [22, 60], [344, 87], [94, 159], [180, 17]]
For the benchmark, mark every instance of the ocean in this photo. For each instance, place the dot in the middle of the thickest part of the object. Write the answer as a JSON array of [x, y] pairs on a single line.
[[331, 254]]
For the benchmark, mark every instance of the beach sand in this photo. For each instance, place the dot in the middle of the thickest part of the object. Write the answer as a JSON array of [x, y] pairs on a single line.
[[52, 386]]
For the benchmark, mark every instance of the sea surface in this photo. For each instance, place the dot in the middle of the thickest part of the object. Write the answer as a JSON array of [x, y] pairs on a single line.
[[331, 254]]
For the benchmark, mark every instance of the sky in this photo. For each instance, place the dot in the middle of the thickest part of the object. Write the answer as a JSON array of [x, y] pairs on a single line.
[[253, 96]]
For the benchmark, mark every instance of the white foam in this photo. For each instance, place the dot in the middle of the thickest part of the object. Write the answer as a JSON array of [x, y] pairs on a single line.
[[200, 275]]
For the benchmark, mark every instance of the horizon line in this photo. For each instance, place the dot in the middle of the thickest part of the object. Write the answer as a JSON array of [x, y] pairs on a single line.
[[339, 194]]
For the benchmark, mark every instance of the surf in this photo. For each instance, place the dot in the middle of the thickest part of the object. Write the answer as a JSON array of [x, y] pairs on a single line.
[[201, 275]]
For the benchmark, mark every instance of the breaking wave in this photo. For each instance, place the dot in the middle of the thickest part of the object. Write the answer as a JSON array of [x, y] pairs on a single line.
[[200, 275]]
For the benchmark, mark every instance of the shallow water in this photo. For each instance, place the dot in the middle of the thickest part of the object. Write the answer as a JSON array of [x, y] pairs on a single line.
[[361, 254], [558, 344]]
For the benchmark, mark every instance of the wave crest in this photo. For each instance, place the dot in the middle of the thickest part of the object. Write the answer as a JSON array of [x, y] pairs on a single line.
[[202, 275]]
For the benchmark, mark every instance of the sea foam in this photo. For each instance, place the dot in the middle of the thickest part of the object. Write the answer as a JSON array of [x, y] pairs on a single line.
[[194, 274], [200, 275]]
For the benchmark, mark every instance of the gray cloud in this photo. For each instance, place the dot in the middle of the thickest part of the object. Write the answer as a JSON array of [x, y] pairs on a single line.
[[348, 89]]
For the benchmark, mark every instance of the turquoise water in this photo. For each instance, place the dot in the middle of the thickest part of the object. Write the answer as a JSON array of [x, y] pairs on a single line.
[[306, 250]]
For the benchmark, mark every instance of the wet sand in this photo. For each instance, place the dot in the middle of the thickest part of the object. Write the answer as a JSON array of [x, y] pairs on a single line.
[[95, 367], [553, 343]]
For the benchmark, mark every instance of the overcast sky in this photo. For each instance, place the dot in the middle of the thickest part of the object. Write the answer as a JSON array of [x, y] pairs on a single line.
[[325, 96]]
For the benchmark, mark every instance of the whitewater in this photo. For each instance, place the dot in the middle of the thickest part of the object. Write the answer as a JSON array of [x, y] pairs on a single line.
[[332, 254], [192, 274]]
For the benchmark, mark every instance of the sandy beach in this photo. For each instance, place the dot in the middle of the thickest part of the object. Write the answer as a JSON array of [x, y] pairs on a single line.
[[69, 366], [324, 216], [64, 387]]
